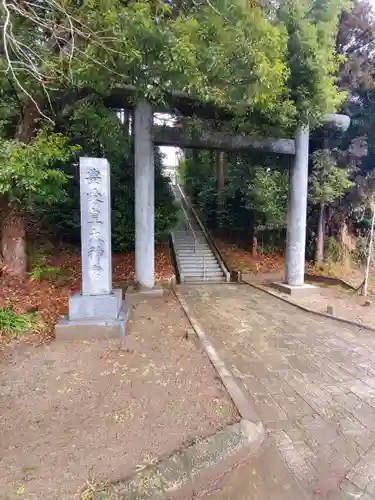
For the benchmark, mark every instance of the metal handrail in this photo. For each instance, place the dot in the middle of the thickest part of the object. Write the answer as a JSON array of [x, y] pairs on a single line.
[[195, 241], [191, 229]]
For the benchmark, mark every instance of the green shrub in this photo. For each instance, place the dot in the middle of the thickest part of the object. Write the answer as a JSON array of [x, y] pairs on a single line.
[[15, 325], [41, 272], [359, 254], [39, 249], [332, 250]]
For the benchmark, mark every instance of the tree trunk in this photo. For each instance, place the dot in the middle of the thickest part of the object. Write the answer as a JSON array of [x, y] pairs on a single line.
[[212, 160], [195, 155], [319, 251], [220, 180], [220, 172], [126, 124], [28, 122], [2, 206], [369, 253], [14, 242], [13, 232], [254, 247]]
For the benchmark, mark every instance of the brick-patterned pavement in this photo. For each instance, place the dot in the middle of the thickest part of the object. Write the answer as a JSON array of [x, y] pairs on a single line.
[[311, 379]]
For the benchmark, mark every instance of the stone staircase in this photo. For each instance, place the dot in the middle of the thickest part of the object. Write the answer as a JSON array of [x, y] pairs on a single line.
[[196, 261]]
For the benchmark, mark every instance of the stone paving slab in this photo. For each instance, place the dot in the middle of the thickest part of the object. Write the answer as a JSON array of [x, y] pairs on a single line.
[[264, 477], [311, 380]]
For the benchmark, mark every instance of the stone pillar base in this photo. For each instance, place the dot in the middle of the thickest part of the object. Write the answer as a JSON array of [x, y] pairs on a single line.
[[293, 289], [137, 290], [94, 317]]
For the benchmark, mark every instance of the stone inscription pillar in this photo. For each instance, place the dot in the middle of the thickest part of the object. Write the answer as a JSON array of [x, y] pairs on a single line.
[[95, 226], [97, 311]]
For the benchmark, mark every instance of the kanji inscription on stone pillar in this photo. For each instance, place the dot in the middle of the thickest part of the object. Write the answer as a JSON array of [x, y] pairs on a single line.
[[95, 226]]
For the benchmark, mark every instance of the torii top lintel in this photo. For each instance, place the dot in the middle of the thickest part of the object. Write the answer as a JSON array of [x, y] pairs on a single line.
[[187, 105]]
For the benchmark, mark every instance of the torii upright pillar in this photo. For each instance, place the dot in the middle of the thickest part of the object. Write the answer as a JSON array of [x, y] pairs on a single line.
[[296, 223], [297, 208], [144, 185]]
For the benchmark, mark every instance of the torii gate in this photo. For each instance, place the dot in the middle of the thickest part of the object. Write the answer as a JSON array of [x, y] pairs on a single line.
[[99, 310], [146, 135]]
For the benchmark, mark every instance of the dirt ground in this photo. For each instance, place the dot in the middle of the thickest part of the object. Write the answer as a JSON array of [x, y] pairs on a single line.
[[239, 258], [49, 297], [99, 411]]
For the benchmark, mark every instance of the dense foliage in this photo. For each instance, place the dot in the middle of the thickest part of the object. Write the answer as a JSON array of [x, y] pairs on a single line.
[[225, 52], [253, 201], [327, 181], [29, 173], [312, 59], [330, 62], [99, 132]]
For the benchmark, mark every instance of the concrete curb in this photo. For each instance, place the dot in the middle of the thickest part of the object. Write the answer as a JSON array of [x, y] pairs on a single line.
[[195, 468], [308, 310], [317, 278], [241, 402], [188, 471]]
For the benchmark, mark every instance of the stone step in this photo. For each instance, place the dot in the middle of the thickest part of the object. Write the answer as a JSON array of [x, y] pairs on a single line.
[[190, 238], [181, 236], [186, 241], [188, 234], [195, 279], [199, 272], [198, 253], [208, 265], [191, 250], [198, 237], [198, 262], [190, 246], [200, 269], [188, 231], [194, 257], [197, 258], [199, 265]]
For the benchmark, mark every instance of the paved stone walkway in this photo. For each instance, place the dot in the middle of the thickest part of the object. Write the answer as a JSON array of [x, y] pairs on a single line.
[[264, 477], [311, 379], [345, 304]]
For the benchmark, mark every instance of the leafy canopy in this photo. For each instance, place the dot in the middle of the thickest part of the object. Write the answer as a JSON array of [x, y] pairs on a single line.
[[28, 172], [356, 42], [312, 60], [267, 196], [327, 181], [225, 52]]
